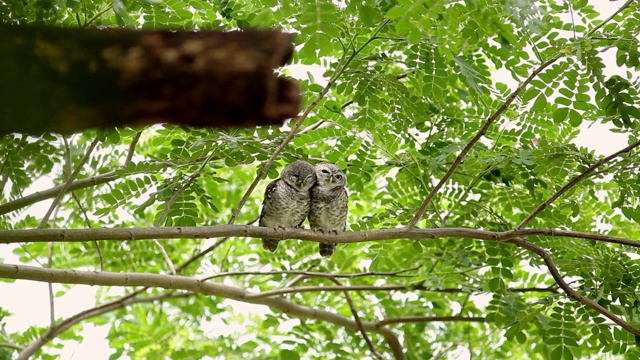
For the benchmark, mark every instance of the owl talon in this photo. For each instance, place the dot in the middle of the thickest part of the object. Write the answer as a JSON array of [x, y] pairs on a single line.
[[270, 244], [326, 250]]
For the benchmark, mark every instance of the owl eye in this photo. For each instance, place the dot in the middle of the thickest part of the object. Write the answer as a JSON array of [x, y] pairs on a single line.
[[295, 177], [325, 171], [339, 177]]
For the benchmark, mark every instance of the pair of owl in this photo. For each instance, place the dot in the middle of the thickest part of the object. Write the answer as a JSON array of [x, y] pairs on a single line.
[[304, 191]]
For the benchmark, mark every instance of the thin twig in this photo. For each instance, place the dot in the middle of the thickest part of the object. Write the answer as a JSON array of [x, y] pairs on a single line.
[[120, 303], [546, 257], [385, 288], [132, 149], [356, 318], [302, 275], [476, 138], [493, 117], [318, 274], [574, 182], [298, 123], [165, 255], [76, 185], [424, 319], [207, 250], [52, 308], [88, 222], [170, 203], [63, 190], [175, 197], [11, 346]]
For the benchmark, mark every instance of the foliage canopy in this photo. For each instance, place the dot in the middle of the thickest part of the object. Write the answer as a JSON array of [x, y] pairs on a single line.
[[416, 92]]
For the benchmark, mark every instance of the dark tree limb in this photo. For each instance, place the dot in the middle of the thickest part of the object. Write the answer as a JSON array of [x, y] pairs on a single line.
[[65, 80]]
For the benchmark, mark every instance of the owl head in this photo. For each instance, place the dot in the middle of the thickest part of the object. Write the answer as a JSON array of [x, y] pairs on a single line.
[[330, 176], [300, 175]]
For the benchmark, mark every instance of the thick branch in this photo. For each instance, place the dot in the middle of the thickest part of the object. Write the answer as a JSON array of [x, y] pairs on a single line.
[[192, 285], [198, 232], [575, 182], [205, 78], [476, 138]]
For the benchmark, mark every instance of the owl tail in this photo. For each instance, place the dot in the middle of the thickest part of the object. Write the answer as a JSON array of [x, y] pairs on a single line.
[[326, 250], [269, 244]]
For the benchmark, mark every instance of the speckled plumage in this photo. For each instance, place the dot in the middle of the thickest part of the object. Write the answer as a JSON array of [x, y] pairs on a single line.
[[287, 199], [329, 203]]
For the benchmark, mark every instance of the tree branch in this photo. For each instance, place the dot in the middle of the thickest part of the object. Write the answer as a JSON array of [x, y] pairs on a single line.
[[11, 346], [75, 185], [198, 232], [59, 328], [574, 182], [546, 257], [476, 138], [318, 274], [66, 186], [188, 284], [423, 319], [356, 318]]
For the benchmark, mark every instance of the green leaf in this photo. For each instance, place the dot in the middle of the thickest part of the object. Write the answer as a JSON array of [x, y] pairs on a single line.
[[289, 355], [560, 115]]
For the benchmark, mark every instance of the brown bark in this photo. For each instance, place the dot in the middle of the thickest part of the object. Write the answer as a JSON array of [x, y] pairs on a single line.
[[65, 80]]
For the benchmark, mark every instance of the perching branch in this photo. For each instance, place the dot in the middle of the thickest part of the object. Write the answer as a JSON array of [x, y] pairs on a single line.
[[585, 174], [199, 232]]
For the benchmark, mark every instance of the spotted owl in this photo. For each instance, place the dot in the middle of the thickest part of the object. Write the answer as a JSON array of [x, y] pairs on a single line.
[[287, 199], [329, 206]]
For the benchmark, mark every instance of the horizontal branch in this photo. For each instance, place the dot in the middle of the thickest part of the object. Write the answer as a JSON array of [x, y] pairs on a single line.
[[333, 288], [199, 232], [318, 274], [194, 285], [423, 319]]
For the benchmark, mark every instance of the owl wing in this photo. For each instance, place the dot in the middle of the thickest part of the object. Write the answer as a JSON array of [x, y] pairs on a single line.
[[268, 194], [344, 205]]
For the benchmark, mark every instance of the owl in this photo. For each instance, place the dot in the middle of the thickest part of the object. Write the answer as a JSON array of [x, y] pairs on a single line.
[[287, 199], [329, 206]]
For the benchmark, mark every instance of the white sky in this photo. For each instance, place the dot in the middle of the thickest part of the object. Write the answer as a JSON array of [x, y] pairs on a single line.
[[28, 301]]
